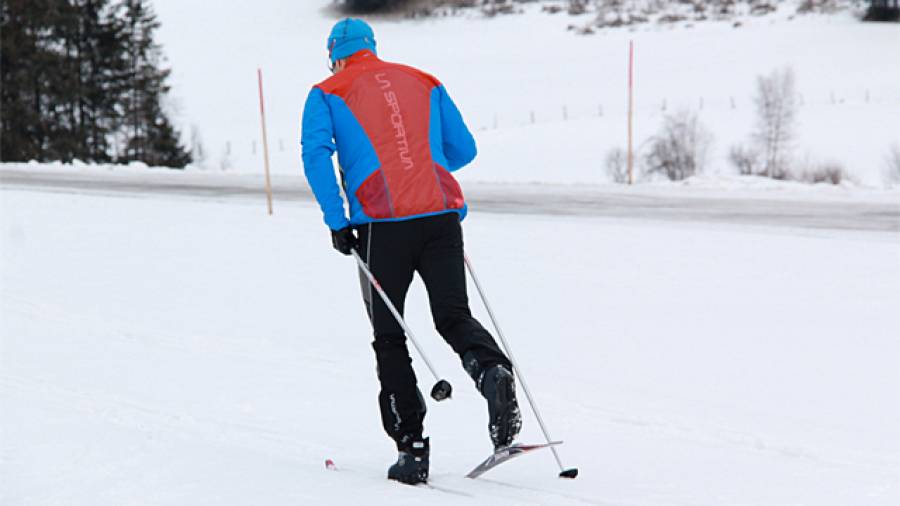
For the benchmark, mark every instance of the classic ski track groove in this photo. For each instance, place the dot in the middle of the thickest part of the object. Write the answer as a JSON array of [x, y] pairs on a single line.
[[193, 342], [126, 413], [436, 484]]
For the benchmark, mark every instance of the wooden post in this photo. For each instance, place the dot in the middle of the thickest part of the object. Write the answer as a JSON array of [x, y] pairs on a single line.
[[630, 110], [262, 115]]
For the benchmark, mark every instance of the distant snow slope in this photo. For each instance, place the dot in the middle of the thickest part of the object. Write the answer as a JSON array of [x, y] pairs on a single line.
[[176, 352], [502, 70]]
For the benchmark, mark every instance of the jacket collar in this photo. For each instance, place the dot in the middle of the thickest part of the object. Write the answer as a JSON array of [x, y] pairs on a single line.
[[361, 56]]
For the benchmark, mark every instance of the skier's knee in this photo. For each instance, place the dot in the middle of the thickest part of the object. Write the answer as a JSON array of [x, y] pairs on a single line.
[[455, 323], [389, 343]]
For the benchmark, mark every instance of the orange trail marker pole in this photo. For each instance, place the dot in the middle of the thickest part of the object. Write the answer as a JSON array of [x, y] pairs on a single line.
[[262, 116]]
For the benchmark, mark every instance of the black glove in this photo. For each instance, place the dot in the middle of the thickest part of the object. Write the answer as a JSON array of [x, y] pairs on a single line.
[[344, 240]]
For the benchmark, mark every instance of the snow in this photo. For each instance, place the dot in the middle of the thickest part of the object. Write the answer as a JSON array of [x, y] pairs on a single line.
[[721, 340], [728, 186], [501, 70], [165, 350], [734, 200]]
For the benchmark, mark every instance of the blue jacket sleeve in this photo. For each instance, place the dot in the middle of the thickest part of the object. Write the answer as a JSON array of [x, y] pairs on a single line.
[[317, 142], [458, 143]]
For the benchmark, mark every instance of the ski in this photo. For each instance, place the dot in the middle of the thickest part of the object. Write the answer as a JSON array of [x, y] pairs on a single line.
[[331, 466], [503, 454]]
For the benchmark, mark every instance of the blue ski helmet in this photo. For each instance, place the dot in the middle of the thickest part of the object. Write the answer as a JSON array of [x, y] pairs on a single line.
[[349, 36]]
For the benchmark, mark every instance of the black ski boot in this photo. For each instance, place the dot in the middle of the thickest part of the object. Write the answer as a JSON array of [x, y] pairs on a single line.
[[504, 418], [412, 463]]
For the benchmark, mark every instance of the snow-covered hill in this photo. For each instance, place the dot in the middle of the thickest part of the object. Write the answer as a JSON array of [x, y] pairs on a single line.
[[505, 70]]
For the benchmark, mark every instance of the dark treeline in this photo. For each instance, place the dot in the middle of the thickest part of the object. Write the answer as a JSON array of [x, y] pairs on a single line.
[[83, 79], [372, 6]]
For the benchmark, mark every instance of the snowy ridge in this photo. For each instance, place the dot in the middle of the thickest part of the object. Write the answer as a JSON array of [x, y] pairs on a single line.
[[573, 87], [702, 181]]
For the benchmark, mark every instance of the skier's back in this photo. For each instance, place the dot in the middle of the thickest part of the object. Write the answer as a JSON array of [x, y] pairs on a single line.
[[399, 136]]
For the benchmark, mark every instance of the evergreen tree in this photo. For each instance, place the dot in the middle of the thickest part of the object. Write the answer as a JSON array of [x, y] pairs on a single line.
[[82, 112], [27, 67], [151, 138], [101, 71], [83, 79]]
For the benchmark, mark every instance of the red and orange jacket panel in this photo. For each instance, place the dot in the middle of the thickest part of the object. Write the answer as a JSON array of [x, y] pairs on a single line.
[[398, 136]]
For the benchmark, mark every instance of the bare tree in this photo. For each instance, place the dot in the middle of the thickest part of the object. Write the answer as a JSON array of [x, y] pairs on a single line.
[[892, 164], [679, 150], [745, 159], [225, 161], [831, 172], [615, 165], [198, 152], [776, 108]]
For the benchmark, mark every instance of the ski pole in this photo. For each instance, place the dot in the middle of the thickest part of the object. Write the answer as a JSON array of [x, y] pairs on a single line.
[[564, 473], [442, 388]]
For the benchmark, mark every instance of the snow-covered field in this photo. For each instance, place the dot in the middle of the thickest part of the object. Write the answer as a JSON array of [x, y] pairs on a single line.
[[719, 341], [502, 70], [172, 351]]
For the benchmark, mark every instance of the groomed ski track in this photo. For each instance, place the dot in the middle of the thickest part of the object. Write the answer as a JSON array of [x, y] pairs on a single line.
[[641, 203]]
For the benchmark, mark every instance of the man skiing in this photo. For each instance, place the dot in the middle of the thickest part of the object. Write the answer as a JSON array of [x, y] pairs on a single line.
[[398, 137]]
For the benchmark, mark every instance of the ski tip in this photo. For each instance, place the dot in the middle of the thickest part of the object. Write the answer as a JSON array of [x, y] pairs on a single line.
[[569, 473], [329, 464], [525, 446]]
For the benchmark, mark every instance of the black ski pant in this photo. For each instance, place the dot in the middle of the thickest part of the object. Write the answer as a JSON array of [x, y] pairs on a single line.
[[433, 247]]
